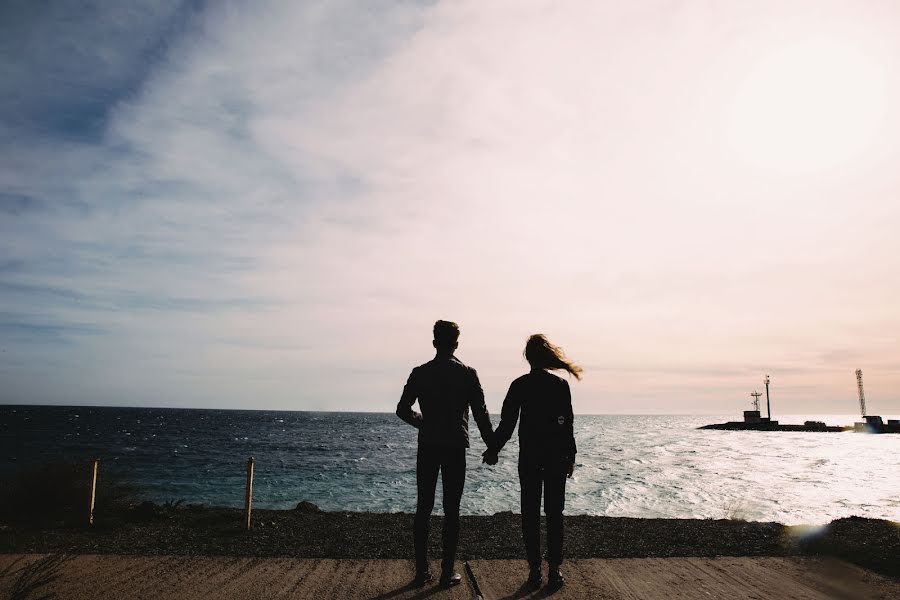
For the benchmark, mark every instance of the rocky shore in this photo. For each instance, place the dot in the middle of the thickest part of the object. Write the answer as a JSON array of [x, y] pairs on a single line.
[[151, 529]]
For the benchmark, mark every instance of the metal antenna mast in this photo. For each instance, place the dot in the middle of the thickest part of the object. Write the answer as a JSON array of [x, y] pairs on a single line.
[[862, 394], [756, 396], [768, 404]]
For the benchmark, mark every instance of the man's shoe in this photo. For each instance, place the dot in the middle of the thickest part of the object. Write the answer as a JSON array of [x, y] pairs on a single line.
[[450, 579], [535, 580], [555, 579], [422, 578]]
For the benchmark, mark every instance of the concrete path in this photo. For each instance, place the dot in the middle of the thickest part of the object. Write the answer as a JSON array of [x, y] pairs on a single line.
[[180, 577], [687, 578]]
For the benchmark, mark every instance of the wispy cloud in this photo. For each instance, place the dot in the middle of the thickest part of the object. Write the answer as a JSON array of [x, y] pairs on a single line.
[[240, 202]]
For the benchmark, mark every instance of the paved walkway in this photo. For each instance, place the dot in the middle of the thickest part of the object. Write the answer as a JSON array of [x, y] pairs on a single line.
[[179, 577]]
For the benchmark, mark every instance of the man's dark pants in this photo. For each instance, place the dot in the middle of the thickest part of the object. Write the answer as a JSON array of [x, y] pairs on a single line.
[[451, 462], [551, 476]]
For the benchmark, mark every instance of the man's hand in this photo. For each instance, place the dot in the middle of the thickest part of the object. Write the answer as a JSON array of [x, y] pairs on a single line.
[[571, 470], [490, 457]]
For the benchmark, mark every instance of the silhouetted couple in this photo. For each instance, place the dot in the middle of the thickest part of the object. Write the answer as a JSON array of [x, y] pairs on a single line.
[[445, 389]]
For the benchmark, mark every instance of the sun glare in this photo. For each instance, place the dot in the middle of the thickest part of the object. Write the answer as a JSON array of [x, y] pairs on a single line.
[[807, 107]]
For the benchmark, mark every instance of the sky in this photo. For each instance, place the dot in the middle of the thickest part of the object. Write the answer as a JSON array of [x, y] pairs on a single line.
[[265, 204]]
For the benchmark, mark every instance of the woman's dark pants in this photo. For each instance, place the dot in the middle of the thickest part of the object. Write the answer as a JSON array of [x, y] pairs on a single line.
[[451, 462], [533, 476]]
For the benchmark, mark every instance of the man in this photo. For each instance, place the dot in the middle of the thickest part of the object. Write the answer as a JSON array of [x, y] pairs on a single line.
[[445, 389]]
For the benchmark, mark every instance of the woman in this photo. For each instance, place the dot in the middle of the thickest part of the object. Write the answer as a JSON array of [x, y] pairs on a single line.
[[546, 450]]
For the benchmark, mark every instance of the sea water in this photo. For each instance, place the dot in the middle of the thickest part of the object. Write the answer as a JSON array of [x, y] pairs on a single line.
[[627, 466]]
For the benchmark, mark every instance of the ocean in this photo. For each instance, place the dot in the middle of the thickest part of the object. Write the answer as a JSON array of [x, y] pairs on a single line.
[[628, 466]]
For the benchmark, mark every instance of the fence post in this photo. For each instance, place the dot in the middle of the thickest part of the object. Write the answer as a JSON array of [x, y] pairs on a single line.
[[248, 498], [94, 466]]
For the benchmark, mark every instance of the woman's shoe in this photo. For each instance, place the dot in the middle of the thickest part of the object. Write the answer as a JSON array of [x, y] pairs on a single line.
[[535, 580], [555, 579]]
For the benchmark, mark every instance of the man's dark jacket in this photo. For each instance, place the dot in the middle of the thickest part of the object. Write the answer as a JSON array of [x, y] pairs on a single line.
[[445, 389]]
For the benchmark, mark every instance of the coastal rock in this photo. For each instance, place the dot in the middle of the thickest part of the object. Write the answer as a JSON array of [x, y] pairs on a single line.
[[307, 507]]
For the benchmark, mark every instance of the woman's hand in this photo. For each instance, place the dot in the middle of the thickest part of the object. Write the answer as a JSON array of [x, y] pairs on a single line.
[[571, 469], [490, 457]]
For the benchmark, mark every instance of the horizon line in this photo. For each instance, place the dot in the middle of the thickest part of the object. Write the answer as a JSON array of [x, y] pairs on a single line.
[[369, 412]]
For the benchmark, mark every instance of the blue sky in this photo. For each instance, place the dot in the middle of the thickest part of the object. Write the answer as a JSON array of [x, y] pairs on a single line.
[[267, 204]]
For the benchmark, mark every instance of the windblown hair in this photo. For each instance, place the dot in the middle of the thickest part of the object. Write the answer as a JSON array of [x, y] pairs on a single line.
[[446, 333], [541, 354]]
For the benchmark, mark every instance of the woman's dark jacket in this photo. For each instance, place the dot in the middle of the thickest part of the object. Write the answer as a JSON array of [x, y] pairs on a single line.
[[543, 401]]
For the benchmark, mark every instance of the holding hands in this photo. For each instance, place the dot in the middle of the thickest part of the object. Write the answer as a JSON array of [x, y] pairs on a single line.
[[490, 457]]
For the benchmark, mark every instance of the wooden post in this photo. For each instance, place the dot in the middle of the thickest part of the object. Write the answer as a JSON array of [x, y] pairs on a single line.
[[94, 466], [248, 498]]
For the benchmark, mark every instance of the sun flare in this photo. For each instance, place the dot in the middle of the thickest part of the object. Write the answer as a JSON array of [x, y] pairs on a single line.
[[808, 106]]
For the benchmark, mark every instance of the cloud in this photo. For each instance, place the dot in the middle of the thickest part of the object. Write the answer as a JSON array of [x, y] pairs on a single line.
[[67, 64], [288, 193]]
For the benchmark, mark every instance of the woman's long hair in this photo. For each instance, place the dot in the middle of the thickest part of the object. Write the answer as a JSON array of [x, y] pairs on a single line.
[[541, 354]]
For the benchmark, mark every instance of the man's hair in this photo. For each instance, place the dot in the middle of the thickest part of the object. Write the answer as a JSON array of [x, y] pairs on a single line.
[[446, 333]]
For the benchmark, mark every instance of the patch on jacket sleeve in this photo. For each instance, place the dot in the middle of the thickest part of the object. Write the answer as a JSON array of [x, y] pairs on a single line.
[[561, 420]]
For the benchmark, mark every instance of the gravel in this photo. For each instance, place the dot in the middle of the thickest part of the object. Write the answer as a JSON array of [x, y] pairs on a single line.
[[149, 529]]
